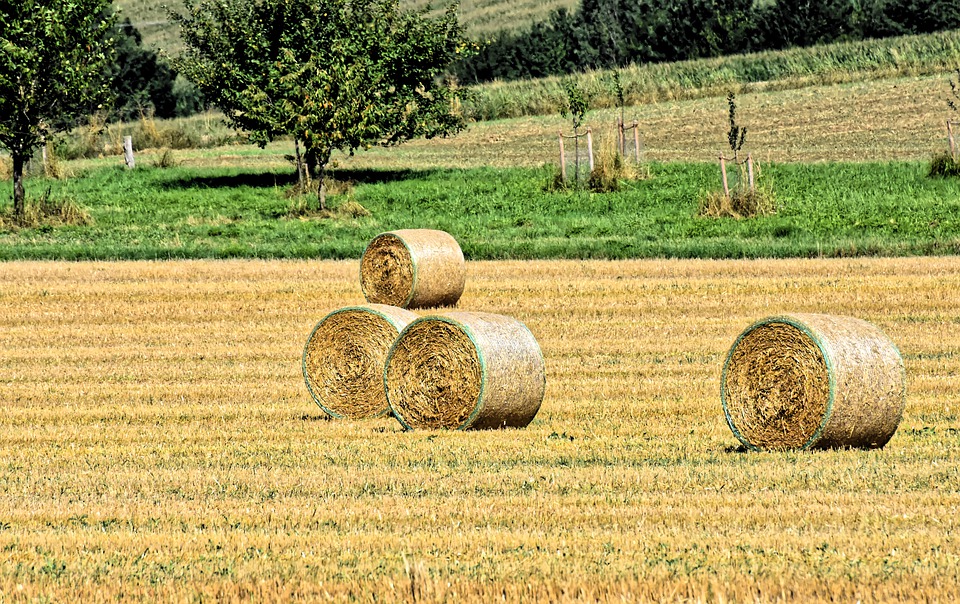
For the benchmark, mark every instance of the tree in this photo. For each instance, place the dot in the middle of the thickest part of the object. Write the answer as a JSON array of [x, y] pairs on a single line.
[[335, 74], [141, 81], [53, 58]]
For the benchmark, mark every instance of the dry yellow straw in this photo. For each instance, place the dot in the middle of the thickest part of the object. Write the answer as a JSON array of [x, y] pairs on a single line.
[[413, 268], [465, 370], [344, 358], [804, 381]]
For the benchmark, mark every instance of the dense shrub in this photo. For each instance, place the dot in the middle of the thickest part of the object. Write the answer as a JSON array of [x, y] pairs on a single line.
[[614, 33]]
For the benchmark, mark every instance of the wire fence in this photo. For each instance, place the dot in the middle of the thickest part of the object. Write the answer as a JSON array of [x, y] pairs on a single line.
[[580, 160], [744, 172], [629, 142]]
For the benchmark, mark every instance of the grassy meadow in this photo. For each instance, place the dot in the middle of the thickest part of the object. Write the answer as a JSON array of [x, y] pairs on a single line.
[[158, 443], [837, 209], [846, 164]]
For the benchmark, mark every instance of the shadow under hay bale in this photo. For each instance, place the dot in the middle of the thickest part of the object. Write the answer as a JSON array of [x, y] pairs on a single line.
[[465, 370], [413, 268], [344, 358], [810, 381]]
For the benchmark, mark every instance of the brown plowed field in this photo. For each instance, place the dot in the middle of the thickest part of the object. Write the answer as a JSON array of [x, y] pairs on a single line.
[[157, 443]]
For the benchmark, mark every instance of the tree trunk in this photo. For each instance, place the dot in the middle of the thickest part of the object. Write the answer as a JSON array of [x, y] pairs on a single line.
[[311, 158], [300, 178], [322, 186], [19, 208]]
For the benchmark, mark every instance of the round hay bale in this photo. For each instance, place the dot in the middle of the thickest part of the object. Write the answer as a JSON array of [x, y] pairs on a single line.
[[465, 370], [809, 381], [413, 268], [344, 358]]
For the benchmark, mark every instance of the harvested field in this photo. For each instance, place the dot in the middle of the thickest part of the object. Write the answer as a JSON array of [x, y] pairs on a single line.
[[157, 443]]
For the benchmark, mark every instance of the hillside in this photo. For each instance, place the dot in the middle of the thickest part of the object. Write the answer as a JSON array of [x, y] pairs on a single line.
[[481, 17]]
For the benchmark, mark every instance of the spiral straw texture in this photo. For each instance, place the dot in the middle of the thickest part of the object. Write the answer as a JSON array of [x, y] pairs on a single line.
[[465, 370], [413, 268], [804, 381], [344, 358]]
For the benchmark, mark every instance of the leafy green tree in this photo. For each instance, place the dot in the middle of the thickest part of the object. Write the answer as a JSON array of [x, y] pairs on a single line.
[[53, 58], [335, 74]]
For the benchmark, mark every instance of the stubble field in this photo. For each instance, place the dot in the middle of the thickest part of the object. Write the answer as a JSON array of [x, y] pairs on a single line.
[[158, 443]]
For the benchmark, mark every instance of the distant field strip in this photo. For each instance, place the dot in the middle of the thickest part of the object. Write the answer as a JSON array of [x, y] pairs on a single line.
[[158, 443], [480, 17], [884, 120], [791, 69]]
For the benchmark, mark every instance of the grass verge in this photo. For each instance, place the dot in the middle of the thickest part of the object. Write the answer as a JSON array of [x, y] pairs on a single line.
[[840, 209]]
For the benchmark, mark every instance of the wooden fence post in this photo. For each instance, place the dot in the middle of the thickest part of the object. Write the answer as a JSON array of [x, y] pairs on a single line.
[[563, 160], [621, 137], [636, 141], [750, 170], [590, 148], [723, 172], [128, 151]]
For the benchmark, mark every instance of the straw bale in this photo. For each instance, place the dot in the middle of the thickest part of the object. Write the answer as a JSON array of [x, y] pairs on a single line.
[[465, 370], [413, 268], [344, 358], [811, 381]]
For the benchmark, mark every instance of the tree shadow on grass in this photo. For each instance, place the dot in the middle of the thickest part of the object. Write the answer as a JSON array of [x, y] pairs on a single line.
[[270, 180]]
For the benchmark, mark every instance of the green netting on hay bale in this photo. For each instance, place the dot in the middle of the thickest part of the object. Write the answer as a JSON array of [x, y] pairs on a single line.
[[413, 268], [465, 370], [344, 358], [811, 381]]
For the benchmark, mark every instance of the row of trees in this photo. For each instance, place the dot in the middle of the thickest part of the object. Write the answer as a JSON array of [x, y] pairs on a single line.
[[615, 33], [333, 74]]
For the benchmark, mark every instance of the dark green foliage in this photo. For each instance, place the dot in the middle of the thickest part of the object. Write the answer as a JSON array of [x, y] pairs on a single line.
[[141, 83], [952, 103], [613, 33], [737, 134], [53, 56], [334, 74], [577, 104]]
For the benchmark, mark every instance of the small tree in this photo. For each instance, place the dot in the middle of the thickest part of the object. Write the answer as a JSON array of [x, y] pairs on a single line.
[[947, 164], [53, 57], [575, 109], [737, 134], [746, 198], [335, 74], [954, 103]]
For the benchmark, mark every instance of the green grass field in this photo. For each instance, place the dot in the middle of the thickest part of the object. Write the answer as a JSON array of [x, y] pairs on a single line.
[[846, 163], [834, 209]]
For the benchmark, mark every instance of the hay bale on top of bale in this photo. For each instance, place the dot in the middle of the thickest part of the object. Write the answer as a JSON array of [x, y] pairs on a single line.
[[465, 370], [810, 381], [344, 358], [413, 268]]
